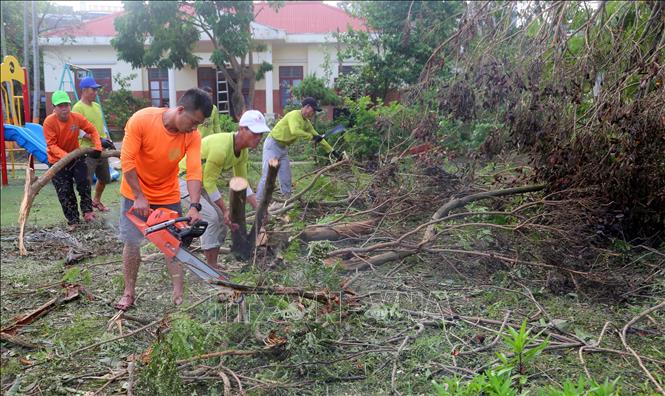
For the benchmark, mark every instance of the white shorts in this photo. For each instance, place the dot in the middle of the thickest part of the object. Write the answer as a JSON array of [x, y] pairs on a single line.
[[216, 231]]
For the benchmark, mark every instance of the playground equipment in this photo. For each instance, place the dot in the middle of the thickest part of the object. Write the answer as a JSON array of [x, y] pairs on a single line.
[[68, 77], [16, 110]]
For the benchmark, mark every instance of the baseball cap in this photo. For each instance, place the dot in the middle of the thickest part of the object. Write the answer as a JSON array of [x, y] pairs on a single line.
[[255, 121], [89, 82], [60, 97], [309, 101]]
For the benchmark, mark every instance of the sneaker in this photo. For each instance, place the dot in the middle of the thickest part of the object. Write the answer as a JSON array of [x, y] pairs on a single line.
[[88, 216]]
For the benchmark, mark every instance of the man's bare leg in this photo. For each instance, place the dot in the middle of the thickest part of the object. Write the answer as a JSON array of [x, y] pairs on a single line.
[[211, 258], [99, 190], [178, 279], [131, 260], [97, 200]]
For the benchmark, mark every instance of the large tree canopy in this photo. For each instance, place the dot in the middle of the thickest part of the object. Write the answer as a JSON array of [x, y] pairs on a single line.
[[401, 37], [165, 35]]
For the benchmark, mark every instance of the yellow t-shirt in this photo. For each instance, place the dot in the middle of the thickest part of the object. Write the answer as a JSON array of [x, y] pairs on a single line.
[[92, 113]]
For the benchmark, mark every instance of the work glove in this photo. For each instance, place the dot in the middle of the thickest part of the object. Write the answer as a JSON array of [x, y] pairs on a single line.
[[338, 156], [95, 154], [108, 144], [317, 138]]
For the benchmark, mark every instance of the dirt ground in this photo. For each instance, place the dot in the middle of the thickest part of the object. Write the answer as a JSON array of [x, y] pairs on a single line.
[[403, 325]]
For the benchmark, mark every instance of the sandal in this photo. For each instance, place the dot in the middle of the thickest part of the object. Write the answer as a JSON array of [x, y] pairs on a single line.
[[125, 302], [100, 206]]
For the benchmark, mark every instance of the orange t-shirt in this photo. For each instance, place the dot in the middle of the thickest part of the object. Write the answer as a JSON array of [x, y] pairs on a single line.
[[63, 137], [155, 152]]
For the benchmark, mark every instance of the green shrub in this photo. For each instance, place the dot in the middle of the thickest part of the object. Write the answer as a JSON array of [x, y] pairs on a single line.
[[316, 88], [120, 103], [227, 123]]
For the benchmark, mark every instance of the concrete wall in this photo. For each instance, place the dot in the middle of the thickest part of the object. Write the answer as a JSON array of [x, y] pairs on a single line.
[[312, 57], [85, 56]]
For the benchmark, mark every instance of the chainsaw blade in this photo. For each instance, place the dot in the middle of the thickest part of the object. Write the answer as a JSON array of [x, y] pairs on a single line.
[[198, 267]]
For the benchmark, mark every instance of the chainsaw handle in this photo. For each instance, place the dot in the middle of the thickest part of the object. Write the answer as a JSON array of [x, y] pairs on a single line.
[[165, 224]]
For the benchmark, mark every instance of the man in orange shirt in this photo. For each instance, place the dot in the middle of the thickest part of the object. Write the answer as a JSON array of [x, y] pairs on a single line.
[[156, 139], [61, 131]]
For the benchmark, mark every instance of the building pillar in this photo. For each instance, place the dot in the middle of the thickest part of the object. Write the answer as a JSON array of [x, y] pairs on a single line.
[[172, 94], [270, 113]]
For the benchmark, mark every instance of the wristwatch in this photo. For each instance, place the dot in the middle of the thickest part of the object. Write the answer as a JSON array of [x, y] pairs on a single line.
[[196, 206]]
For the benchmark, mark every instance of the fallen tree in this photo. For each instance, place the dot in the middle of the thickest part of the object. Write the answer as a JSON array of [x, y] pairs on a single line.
[[34, 185], [397, 252]]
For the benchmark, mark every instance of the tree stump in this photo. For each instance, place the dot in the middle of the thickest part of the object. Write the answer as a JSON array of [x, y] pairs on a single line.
[[238, 198]]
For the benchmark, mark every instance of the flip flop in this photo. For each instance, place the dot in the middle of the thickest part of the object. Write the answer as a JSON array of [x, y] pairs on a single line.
[[129, 302], [100, 206]]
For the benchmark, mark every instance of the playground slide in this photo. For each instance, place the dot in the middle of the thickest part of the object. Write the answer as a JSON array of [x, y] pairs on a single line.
[[30, 137]]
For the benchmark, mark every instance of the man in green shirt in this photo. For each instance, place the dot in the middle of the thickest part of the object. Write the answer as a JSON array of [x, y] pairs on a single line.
[[221, 152], [211, 124], [92, 111], [295, 124]]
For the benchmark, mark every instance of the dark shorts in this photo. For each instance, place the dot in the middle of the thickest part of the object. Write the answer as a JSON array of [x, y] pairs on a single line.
[[100, 168], [128, 231]]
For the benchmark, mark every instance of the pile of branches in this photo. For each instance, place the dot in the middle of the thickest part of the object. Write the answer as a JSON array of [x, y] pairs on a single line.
[[580, 87]]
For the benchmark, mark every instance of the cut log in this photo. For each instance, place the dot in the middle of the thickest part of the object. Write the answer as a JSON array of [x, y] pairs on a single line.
[[268, 189], [238, 198], [338, 231], [34, 185]]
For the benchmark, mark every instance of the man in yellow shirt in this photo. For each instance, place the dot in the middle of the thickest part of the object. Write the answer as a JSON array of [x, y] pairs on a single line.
[[92, 111], [295, 124], [211, 124], [222, 152]]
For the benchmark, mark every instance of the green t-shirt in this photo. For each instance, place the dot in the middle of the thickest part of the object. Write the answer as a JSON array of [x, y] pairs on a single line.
[[218, 156], [293, 126], [94, 115], [211, 124]]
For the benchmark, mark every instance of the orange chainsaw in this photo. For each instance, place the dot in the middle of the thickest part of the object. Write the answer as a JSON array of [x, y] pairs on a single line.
[[169, 232]]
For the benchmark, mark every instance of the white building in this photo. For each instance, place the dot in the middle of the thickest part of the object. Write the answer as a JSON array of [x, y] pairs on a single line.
[[299, 40]]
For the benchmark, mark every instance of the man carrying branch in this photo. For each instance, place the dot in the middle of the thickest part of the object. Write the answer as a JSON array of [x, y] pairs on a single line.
[[222, 152], [61, 131], [295, 124]]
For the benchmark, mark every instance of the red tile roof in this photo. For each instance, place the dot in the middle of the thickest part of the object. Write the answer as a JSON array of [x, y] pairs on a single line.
[[102, 26], [306, 17], [294, 17]]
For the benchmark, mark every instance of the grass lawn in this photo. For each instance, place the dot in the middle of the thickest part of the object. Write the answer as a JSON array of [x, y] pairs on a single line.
[[46, 209]]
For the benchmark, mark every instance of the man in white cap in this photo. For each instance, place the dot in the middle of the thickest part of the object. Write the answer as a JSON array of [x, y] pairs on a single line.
[[221, 152]]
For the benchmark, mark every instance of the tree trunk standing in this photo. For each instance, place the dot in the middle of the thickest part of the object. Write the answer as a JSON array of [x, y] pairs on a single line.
[[35, 66], [238, 198], [251, 74], [26, 39], [265, 201], [3, 40]]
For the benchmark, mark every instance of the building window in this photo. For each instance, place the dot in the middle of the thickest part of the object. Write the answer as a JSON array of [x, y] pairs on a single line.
[[289, 77], [103, 77], [346, 69], [158, 81]]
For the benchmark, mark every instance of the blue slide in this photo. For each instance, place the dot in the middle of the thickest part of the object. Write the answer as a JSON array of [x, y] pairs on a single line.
[[31, 138]]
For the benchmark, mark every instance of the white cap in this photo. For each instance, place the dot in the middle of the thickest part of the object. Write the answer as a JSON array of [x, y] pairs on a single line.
[[254, 120]]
